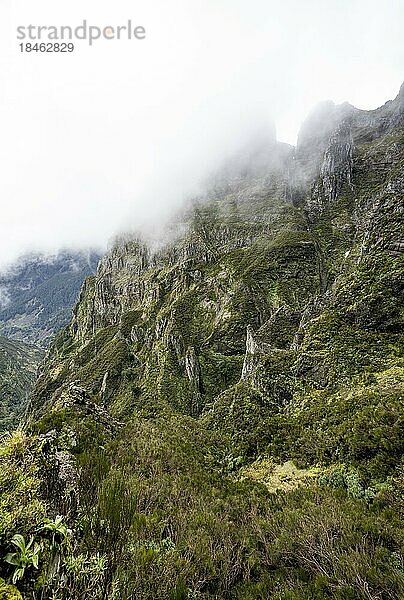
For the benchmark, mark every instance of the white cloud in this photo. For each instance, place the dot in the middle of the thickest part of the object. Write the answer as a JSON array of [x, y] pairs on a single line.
[[116, 134]]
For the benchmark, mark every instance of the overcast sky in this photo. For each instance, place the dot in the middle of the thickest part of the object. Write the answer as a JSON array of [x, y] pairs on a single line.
[[114, 135]]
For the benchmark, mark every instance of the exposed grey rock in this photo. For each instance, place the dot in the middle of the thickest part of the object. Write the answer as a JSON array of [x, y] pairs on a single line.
[[193, 372], [137, 335], [254, 348], [335, 170], [103, 389]]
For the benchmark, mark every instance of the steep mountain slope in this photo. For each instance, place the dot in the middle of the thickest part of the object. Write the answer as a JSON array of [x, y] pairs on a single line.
[[37, 294], [177, 318], [266, 329], [18, 367], [36, 299]]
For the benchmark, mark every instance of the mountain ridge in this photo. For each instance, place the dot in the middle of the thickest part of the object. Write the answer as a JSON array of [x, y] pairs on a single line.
[[38, 291], [223, 417]]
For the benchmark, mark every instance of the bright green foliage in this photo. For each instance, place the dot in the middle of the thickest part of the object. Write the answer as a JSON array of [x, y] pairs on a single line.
[[24, 557], [21, 505], [58, 530]]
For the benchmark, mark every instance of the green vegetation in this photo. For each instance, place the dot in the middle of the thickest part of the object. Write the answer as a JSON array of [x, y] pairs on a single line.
[[18, 366], [8, 592], [23, 557], [21, 506], [223, 419]]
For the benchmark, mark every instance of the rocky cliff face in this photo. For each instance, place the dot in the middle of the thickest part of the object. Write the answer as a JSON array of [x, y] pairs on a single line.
[[247, 257], [18, 369], [177, 316], [266, 327]]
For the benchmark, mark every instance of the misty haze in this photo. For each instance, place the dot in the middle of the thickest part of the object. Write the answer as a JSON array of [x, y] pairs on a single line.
[[201, 301]]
